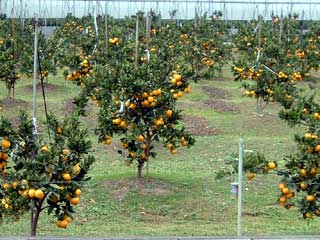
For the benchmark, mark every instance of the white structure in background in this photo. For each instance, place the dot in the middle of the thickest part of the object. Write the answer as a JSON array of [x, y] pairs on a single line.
[[185, 9]]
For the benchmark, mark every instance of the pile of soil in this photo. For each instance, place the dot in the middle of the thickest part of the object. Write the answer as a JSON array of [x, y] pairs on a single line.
[[222, 106], [119, 189], [9, 103], [198, 126], [216, 93], [48, 88]]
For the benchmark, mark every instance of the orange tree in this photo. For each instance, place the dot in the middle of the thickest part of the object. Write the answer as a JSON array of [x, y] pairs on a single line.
[[38, 174], [300, 175], [277, 59], [74, 38], [14, 51], [138, 100]]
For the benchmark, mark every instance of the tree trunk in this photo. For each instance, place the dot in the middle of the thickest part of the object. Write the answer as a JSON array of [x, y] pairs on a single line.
[[35, 212], [140, 165], [9, 88]]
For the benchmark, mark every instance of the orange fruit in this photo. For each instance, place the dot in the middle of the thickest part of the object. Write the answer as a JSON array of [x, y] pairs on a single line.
[[310, 198], [66, 176], [125, 145], [6, 185], [77, 192], [150, 99], [145, 103], [308, 215], [285, 191], [173, 151], [74, 201], [317, 148], [116, 121], [15, 184], [76, 169], [64, 223], [5, 144], [179, 83], [180, 94], [272, 165], [45, 149], [303, 185], [140, 138], [58, 223], [250, 175], [303, 172], [59, 130], [290, 195], [31, 193], [169, 113], [4, 156], [169, 146], [67, 218], [133, 154], [282, 200], [307, 135], [178, 77], [39, 194], [108, 140], [123, 124]]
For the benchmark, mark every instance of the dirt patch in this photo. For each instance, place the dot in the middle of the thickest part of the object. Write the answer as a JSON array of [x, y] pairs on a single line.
[[121, 188], [222, 106], [7, 103], [216, 93], [198, 126], [48, 87]]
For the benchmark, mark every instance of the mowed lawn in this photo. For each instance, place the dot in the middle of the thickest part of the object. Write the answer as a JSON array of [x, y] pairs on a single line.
[[181, 196]]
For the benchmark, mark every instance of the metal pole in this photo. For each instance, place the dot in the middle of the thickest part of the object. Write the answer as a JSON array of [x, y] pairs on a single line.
[[137, 40], [106, 24], [240, 173], [35, 70], [74, 8]]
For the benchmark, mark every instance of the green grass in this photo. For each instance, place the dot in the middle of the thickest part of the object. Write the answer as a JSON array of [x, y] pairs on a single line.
[[181, 197]]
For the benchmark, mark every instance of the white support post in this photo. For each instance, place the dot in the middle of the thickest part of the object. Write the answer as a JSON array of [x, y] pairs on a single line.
[[35, 74], [106, 24], [137, 40], [240, 177]]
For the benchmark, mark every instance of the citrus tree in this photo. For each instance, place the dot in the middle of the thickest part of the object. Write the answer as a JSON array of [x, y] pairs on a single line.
[[274, 56], [15, 50], [299, 178], [137, 100], [39, 173]]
